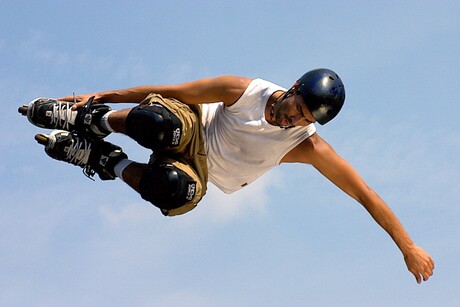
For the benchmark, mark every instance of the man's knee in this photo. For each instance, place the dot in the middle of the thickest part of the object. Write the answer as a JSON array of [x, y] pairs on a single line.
[[154, 127], [168, 187]]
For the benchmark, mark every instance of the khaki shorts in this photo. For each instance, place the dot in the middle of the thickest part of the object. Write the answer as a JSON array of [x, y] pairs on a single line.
[[190, 155]]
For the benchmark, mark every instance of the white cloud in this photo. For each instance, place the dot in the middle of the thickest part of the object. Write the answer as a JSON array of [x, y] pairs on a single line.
[[134, 213], [184, 298], [215, 207], [220, 207], [132, 68], [402, 161], [81, 62], [36, 48]]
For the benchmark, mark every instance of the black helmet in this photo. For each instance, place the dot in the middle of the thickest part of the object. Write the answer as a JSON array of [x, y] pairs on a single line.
[[323, 92]]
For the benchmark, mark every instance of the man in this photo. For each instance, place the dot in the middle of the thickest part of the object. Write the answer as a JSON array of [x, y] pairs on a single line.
[[236, 127]]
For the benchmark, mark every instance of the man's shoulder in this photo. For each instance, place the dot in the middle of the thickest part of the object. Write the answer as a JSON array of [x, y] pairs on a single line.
[[304, 151]]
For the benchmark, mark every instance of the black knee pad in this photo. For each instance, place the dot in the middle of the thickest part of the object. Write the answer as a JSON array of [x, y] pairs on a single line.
[[166, 186], [154, 127]]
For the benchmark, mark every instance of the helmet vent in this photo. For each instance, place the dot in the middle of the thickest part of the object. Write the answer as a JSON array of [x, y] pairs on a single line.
[[331, 78]]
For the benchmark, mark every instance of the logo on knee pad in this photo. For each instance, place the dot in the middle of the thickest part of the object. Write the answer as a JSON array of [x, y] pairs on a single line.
[[176, 137], [103, 160], [191, 191]]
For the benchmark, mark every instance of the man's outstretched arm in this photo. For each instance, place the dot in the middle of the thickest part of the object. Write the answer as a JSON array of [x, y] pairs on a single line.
[[320, 154], [226, 89]]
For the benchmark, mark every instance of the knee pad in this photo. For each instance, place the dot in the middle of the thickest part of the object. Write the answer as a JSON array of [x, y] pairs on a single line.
[[166, 186], [154, 127]]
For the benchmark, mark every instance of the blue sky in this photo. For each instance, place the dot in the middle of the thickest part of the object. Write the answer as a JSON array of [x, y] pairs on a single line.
[[289, 239]]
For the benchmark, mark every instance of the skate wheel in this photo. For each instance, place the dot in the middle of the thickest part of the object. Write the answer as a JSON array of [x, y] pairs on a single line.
[[41, 139], [23, 110]]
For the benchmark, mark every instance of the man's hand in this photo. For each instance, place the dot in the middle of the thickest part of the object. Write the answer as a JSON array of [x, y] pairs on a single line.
[[419, 263], [81, 100]]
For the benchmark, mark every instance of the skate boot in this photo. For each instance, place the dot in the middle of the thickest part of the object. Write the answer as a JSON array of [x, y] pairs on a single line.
[[93, 155], [54, 114]]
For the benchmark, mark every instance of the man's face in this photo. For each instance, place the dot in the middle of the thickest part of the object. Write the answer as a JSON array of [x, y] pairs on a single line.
[[291, 112]]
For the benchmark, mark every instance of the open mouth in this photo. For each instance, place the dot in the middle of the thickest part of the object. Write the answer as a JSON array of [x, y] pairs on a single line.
[[284, 121]]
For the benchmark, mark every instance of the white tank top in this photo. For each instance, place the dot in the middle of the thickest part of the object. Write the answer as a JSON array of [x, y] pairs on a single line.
[[240, 144]]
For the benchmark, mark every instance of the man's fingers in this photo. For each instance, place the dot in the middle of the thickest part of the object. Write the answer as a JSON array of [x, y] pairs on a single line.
[[80, 101], [429, 270], [66, 98], [79, 104], [418, 278], [422, 275]]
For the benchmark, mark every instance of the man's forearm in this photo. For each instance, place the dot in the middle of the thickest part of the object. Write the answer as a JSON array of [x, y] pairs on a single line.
[[385, 217], [129, 95]]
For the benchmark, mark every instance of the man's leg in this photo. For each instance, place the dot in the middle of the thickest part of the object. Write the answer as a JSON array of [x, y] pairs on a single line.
[[168, 184], [165, 183], [115, 120], [95, 156], [152, 126], [128, 171]]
